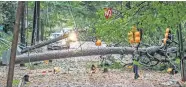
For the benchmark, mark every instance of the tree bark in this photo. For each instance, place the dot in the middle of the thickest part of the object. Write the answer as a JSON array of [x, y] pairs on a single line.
[[42, 30], [84, 52], [44, 43], [23, 27], [73, 53], [14, 44], [34, 25], [27, 34], [81, 52], [24, 58], [38, 21], [47, 42]]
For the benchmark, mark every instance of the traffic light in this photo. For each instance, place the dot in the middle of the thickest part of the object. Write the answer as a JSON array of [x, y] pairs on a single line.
[[167, 33], [168, 36], [131, 37], [137, 37], [167, 30], [134, 36]]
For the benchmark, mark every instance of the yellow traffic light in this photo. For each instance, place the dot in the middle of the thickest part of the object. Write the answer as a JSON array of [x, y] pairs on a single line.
[[130, 34], [137, 37], [137, 34], [134, 35], [167, 32], [130, 37]]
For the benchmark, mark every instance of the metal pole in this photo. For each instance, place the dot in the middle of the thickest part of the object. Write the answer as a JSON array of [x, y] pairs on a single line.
[[14, 44], [182, 64]]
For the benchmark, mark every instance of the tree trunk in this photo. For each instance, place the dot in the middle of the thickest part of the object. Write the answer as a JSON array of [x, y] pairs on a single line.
[[27, 34], [82, 52], [47, 42], [34, 26], [14, 44], [73, 53], [24, 58], [44, 43], [22, 36], [38, 21], [23, 29], [42, 30]]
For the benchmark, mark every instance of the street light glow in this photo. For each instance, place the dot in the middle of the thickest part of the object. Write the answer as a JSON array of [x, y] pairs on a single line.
[[72, 36]]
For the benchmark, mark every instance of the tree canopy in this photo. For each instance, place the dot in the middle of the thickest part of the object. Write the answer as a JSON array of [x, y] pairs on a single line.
[[152, 17]]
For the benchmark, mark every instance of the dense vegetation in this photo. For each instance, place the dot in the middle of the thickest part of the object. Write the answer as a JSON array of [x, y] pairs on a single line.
[[152, 17]]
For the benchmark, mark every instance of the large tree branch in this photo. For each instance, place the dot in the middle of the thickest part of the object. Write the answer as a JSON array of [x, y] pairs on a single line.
[[82, 52], [24, 58], [73, 53], [44, 43]]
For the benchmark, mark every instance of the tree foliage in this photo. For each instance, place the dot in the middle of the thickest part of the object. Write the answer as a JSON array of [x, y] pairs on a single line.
[[7, 11], [152, 17]]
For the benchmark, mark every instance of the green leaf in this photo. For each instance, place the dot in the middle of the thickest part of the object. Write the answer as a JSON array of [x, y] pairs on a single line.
[[177, 61]]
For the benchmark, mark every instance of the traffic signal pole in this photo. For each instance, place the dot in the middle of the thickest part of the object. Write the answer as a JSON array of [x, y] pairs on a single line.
[[181, 54]]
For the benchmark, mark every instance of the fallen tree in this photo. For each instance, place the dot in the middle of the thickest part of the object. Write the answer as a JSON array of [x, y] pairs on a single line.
[[57, 54], [44, 43], [84, 52], [73, 53]]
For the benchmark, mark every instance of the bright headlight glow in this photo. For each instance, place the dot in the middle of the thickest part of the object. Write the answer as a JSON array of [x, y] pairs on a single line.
[[72, 36]]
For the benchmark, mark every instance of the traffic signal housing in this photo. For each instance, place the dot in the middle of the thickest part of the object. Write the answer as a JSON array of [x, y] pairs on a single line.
[[167, 36], [137, 37], [131, 37], [134, 36]]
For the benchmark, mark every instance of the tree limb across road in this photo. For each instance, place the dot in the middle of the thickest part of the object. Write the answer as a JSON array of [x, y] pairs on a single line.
[[88, 51], [44, 43], [81, 52], [72, 53]]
